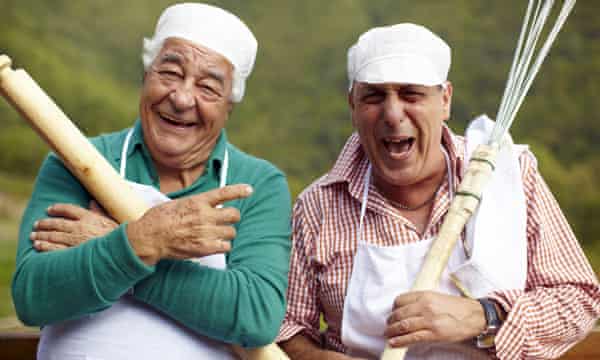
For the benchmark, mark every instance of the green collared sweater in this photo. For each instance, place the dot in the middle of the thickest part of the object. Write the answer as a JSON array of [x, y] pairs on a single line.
[[244, 304]]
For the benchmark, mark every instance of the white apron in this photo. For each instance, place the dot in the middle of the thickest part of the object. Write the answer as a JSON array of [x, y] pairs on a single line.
[[130, 329], [379, 274]]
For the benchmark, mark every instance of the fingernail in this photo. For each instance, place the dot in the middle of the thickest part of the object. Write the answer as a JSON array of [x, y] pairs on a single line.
[[36, 244], [33, 235], [49, 209], [35, 224], [249, 190]]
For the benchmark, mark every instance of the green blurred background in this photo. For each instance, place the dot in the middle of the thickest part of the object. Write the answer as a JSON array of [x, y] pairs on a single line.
[[86, 55]]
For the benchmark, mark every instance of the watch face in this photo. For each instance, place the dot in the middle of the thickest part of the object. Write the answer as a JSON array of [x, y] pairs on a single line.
[[485, 341]]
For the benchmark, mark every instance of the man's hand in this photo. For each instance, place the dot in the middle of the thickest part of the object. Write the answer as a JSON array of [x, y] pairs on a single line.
[[187, 228], [70, 225], [427, 316], [301, 347]]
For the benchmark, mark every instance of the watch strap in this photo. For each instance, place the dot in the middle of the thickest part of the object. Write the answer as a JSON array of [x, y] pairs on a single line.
[[493, 322]]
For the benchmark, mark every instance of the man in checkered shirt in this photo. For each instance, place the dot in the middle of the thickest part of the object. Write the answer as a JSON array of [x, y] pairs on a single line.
[[517, 286]]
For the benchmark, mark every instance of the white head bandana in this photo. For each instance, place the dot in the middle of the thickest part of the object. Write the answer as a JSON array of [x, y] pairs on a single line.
[[212, 27], [402, 53]]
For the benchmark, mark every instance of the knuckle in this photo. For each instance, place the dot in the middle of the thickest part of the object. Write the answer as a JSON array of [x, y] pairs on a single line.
[[40, 246], [64, 208], [435, 324], [418, 337], [229, 232], [429, 308], [53, 237], [44, 223], [394, 317], [234, 215], [404, 325], [225, 245], [227, 191]]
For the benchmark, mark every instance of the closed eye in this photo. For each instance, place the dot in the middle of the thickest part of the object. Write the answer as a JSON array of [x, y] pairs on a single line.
[[170, 74], [412, 96], [209, 92], [373, 98]]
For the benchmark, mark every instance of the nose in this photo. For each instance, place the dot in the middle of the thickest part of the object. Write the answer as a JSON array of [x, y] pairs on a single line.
[[393, 111], [182, 97]]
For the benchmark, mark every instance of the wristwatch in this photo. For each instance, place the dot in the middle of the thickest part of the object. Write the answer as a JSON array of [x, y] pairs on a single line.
[[493, 322]]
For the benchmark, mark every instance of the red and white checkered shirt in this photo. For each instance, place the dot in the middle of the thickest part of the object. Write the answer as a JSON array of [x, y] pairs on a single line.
[[559, 305]]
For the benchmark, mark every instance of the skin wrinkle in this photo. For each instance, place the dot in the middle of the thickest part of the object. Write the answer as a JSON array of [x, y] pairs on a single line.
[[192, 85], [212, 70], [380, 110], [402, 111]]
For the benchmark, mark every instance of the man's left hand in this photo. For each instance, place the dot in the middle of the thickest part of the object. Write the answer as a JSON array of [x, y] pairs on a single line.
[[70, 225], [427, 316]]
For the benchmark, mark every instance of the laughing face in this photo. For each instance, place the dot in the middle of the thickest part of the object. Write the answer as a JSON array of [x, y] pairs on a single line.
[[400, 129], [184, 104]]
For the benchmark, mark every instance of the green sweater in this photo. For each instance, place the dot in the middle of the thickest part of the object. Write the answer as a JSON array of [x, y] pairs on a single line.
[[244, 304]]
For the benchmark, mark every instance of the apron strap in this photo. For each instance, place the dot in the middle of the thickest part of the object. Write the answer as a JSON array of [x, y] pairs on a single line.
[[124, 153]]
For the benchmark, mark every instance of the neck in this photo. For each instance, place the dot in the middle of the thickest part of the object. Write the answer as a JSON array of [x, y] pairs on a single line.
[[176, 179]]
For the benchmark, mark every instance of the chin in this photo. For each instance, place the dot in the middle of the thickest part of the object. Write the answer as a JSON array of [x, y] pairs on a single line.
[[398, 177]]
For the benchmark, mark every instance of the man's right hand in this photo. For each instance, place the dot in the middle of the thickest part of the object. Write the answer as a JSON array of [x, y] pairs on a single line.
[[301, 347], [187, 228]]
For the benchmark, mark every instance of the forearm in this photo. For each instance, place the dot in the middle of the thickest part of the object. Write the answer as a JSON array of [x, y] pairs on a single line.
[[561, 300], [244, 304], [66, 284], [239, 306], [300, 347], [544, 323]]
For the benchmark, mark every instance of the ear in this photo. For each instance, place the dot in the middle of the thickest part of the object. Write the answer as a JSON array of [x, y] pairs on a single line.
[[351, 99], [447, 100], [351, 104]]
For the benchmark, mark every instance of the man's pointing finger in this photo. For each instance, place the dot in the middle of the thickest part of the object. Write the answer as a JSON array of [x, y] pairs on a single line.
[[226, 193]]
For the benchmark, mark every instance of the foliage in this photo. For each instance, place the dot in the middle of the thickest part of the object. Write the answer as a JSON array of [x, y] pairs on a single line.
[[86, 54]]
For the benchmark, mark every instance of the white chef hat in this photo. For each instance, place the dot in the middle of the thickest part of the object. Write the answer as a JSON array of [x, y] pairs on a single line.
[[402, 53], [211, 27]]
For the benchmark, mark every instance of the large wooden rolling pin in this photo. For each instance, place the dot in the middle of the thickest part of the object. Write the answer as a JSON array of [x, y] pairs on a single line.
[[85, 162]]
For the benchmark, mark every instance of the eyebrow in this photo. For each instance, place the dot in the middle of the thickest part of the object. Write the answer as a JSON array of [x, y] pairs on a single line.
[[217, 75], [171, 58]]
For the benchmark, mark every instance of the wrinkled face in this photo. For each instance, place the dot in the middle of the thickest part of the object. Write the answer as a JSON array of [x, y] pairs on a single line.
[[400, 129], [184, 104]]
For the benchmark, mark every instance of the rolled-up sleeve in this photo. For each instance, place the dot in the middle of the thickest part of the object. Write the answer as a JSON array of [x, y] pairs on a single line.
[[302, 314], [561, 301]]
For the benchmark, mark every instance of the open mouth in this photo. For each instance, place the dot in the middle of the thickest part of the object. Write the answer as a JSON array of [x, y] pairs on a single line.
[[176, 122], [399, 147]]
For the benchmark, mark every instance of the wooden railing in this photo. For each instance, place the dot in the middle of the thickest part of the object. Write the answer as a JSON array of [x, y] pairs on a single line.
[[21, 345]]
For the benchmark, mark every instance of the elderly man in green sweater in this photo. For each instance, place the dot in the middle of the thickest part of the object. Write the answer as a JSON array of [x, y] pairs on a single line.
[[190, 275]]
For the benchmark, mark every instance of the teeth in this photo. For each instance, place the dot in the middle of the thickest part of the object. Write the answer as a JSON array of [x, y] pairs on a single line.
[[398, 146], [175, 121]]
